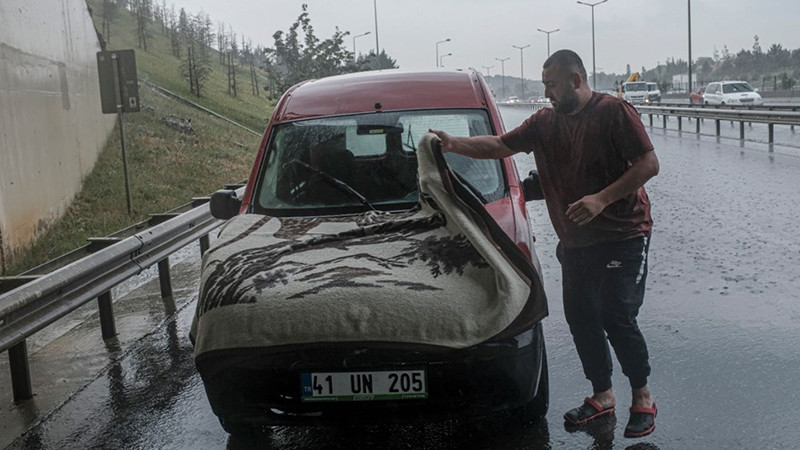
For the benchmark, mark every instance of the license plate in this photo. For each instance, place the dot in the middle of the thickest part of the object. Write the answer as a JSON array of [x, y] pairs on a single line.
[[364, 386]]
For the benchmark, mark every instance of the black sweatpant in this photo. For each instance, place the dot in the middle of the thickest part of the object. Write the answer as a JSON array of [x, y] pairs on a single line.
[[604, 288]]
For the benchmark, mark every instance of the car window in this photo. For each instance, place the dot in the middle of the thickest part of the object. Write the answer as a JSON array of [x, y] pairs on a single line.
[[730, 88], [636, 87], [339, 162]]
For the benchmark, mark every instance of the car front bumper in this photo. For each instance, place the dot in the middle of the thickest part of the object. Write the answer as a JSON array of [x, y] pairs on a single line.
[[262, 386]]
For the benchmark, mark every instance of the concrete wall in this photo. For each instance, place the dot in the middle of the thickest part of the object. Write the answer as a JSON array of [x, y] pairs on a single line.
[[51, 127]]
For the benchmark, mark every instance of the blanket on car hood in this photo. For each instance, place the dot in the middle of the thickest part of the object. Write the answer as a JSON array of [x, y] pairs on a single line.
[[444, 274]]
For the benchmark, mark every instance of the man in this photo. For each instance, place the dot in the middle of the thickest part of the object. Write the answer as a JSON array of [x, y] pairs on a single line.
[[593, 157]]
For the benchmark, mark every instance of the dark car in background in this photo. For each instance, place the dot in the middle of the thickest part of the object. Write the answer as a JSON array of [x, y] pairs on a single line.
[[370, 167]]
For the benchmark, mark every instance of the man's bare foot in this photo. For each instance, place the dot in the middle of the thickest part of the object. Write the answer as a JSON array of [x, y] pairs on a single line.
[[605, 398], [642, 397]]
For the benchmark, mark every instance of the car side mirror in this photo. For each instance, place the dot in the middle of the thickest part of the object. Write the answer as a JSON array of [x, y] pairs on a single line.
[[225, 204], [532, 187]]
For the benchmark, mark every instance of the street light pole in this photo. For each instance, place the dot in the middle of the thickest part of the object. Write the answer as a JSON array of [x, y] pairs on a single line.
[[437, 50], [355, 58], [594, 71], [521, 70], [377, 45], [548, 38], [442, 57], [503, 73], [689, 6], [487, 70]]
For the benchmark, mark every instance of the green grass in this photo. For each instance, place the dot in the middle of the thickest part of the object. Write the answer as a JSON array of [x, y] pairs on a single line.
[[166, 167], [158, 66]]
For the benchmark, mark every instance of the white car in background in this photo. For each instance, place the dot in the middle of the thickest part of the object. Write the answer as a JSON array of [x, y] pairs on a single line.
[[731, 93]]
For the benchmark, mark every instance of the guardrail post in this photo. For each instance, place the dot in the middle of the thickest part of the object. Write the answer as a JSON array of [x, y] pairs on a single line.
[[717, 125], [20, 372], [164, 279], [107, 324], [771, 128], [741, 130], [204, 244]]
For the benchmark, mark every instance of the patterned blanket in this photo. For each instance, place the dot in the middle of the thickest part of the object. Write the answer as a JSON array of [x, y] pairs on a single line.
[[444, 274]]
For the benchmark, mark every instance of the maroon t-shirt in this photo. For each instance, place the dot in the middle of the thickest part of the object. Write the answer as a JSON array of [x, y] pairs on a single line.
[[581, 154]]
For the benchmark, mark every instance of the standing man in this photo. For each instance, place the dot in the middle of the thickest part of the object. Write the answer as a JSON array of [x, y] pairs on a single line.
[[593, 157]]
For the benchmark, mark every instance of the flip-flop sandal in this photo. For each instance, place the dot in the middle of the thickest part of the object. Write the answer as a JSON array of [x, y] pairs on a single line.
[[589, 410], [642, 421]]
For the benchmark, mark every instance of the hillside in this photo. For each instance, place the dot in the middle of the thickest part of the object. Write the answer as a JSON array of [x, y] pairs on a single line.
[[174, 152]]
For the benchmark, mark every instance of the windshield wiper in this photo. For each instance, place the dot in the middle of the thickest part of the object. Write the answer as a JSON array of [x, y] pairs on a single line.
[[410, 138], [335, 182]]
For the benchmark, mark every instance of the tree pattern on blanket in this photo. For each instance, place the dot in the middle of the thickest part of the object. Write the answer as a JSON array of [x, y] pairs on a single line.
[[244, 276]]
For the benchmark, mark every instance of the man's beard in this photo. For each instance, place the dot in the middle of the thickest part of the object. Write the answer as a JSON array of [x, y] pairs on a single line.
[[567, 103]]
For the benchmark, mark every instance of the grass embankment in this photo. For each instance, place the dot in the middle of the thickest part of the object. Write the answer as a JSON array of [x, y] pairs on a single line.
[[167, 167]]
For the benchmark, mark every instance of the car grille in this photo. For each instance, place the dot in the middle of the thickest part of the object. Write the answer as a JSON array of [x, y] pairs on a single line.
[[746, 100]]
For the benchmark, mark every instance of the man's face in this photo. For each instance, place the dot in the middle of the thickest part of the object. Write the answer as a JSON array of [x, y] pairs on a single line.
[[560, 89]]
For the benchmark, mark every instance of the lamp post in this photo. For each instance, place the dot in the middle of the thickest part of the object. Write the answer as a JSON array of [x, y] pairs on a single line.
[[377, 45], [521, 70], [355, 58], [594, 74], [689, 6], [442, 57], [548, 38], [487, 69], [437, 50], [503, 73]]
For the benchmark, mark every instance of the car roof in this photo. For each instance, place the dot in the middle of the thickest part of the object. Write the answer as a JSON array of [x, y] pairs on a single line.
[[383, 90]]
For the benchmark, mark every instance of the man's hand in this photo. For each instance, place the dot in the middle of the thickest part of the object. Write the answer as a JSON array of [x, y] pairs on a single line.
[[480, 147], [447, 141], [586, 209]]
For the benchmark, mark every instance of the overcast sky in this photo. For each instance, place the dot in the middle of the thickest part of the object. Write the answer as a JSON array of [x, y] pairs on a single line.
[[635, 32]]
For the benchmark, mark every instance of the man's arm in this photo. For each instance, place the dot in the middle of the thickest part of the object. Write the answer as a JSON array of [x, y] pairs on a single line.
[[642, 169], [479, 147]]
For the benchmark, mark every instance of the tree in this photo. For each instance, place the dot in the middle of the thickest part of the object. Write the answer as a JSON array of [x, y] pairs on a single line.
[[299, 55], [196, 32], [109, 12], [786, 81], [143, 11], [372, 62]]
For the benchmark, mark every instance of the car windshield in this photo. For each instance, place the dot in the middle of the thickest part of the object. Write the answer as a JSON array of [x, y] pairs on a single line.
[[635, 87], [730, 88], [368, 161]]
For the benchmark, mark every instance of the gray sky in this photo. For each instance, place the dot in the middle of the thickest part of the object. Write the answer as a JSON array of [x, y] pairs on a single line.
[[635, 32]]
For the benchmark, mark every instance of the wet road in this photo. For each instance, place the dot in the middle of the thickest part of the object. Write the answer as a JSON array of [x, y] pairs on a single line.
[[721, 318]]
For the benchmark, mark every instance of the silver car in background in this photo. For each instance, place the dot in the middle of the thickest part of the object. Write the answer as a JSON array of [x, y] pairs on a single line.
[[731, 93]]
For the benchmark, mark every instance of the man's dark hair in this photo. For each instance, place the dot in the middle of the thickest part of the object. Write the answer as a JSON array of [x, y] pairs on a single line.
[[566, 60]]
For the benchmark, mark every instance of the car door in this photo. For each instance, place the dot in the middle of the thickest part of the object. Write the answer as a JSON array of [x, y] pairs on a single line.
[[713, 95]]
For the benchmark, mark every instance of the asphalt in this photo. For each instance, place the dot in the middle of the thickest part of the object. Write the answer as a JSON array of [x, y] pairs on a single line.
[[720, 318]]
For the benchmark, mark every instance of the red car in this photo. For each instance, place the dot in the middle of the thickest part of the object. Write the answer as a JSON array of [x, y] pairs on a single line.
[[696, 97], [343, 150]]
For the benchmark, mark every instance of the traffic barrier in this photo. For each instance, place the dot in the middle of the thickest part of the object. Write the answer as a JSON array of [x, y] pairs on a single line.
[[771, 118], [38, 299]]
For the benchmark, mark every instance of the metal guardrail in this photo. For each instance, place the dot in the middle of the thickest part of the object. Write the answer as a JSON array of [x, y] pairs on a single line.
[[771, 118], [765, 106], [27, 309]]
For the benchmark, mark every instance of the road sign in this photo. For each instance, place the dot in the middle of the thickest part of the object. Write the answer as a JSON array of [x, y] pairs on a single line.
[[117, 70]]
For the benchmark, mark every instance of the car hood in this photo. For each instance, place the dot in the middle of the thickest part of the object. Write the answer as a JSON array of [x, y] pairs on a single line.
[[444, 274]]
